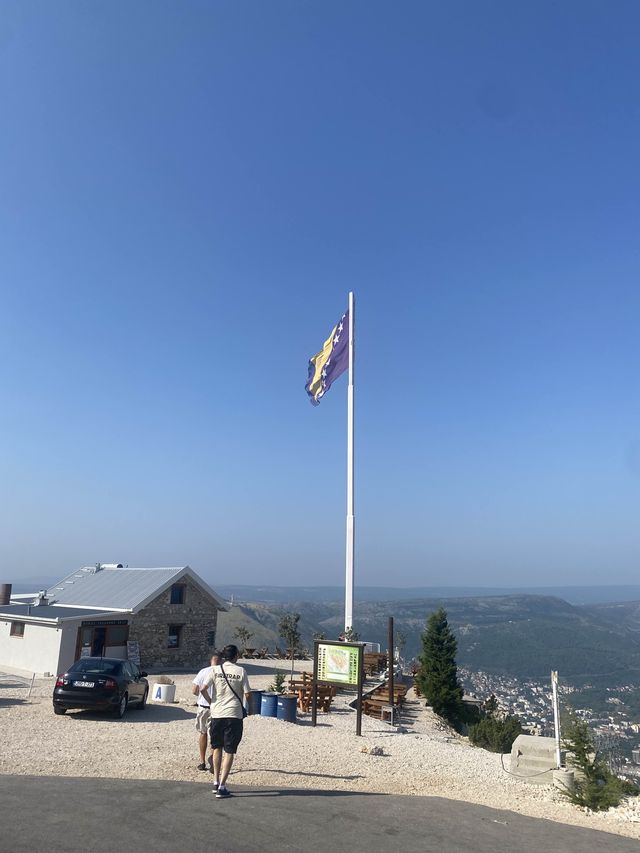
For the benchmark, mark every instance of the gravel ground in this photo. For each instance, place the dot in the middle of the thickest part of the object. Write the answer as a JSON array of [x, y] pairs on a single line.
[[160, 743]]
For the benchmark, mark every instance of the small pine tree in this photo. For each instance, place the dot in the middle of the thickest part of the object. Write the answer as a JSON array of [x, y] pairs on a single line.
[[278, 685], [596, 787], [438, 673]]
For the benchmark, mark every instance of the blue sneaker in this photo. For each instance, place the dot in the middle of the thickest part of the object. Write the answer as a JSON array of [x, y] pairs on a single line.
[[222, 792], [215, 787]]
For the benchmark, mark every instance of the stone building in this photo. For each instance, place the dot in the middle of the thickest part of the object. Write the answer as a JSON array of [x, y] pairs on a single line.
[[166, 618]]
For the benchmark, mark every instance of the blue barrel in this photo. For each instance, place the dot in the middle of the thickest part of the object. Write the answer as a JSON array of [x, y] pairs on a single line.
[[287, 708], [254, 702], [269, 704]]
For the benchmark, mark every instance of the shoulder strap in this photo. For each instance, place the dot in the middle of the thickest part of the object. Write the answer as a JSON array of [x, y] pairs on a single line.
[[230, 687]]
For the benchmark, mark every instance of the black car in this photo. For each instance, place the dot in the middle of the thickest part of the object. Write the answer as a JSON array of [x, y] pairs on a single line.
[[101, 683]]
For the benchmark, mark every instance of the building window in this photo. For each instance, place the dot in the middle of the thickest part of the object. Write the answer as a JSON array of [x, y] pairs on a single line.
[[177, 593], [17, 629], [174, 636]]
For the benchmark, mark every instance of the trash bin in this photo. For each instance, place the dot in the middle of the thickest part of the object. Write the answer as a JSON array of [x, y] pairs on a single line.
[[287, 708], [254, 702], [269, 705]]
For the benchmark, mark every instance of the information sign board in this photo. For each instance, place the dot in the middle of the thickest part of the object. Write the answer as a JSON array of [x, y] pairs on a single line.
[[338, 663], [133, 651]]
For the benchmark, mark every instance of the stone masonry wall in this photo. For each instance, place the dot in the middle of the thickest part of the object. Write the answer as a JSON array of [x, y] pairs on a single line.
[[150, 627]]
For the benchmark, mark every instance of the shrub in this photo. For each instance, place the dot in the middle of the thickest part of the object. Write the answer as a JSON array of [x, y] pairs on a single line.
[[163, 679], [349, 635], [596, 787], [278, 683], [494, 733]]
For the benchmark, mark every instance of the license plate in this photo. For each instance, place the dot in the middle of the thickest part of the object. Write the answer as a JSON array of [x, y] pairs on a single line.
[[84, 683]]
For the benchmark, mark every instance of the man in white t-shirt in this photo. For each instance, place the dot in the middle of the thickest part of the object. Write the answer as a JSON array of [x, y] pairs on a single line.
[[202, 717], [227, 688]]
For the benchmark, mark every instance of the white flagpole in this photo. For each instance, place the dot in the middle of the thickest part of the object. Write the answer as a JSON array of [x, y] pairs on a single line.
[[556, 716], [348, 590]]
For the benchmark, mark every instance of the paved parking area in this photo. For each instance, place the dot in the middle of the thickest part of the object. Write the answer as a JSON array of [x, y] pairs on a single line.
[[77, 815]]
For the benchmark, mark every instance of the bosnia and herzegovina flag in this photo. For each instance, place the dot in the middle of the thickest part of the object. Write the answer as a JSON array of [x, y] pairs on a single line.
[[330, 362]]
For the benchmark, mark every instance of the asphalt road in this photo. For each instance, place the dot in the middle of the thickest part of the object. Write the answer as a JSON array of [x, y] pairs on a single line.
[[57, 814]]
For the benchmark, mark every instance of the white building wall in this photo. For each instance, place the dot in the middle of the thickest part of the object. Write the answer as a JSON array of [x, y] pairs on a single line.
[[67, 653], [37, 651]]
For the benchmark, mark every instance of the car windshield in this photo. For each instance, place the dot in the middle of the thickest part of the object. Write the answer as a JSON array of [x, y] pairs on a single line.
[[98, 666]]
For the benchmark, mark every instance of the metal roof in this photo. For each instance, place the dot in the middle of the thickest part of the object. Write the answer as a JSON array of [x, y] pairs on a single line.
[[46, 611], [121, 589]]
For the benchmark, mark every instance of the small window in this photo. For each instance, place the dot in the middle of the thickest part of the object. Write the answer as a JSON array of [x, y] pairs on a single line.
[[174, 636], [17, 629], [177, 593]]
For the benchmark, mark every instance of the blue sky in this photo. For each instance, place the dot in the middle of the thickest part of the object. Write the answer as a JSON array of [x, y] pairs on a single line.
[[187, 193]]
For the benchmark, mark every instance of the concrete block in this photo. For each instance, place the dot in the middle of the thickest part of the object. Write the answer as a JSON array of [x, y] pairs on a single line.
[[533, 759], [564, 779]]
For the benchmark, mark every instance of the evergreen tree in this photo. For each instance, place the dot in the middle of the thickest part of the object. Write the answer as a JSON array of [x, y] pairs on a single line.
[[438, 674], [595, 786]]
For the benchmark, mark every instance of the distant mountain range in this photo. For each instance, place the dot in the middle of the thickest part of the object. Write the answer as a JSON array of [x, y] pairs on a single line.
[[591, 635], [517, 635], [287, 594]]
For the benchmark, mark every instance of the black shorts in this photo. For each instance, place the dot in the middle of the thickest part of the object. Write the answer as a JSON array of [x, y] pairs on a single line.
[[225, 733]]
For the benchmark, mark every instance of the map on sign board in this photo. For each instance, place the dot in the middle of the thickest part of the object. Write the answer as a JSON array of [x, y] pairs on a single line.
[[133, 651], [338, 662]]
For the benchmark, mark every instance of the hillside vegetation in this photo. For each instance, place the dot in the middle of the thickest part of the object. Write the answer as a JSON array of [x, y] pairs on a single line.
[[518, 635]]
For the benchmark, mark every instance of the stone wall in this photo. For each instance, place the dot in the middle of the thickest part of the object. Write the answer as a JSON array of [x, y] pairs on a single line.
[[150, 627]]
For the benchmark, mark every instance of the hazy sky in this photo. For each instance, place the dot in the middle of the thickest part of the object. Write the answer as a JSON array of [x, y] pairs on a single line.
[[188, 190]]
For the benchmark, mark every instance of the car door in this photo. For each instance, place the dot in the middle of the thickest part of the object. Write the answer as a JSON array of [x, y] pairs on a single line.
[[136, 687], [128, 676]]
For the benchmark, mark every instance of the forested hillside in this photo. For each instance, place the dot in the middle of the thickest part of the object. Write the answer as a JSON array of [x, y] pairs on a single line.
[[519, 635]]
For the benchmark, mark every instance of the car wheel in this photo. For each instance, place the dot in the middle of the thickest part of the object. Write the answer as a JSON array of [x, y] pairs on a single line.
[[57, 710], [142, 704], [122, 706]]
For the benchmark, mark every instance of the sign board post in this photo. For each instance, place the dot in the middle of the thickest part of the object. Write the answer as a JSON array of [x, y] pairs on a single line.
[[339, 664]]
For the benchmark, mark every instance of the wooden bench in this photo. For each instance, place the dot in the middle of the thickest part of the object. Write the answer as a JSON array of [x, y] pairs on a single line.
[[383, 700], [374, 662], [380, 710], [324, 694], [399, 695], [376, 704]]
